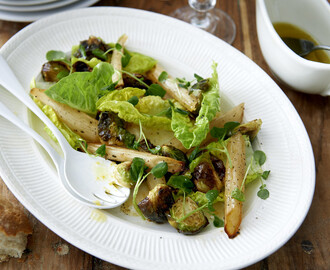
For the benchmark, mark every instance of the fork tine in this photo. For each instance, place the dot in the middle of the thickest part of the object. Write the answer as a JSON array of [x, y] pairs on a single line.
[[105, 200]]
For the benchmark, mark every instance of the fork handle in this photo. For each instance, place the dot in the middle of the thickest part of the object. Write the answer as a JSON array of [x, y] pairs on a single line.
[[9, 115], [9, 81], [321, 47]]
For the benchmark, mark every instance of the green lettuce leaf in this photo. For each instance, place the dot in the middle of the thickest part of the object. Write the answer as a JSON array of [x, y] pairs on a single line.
[[152, 105], [81, 90], [92, 63], [139, 63], [128, 112], [192, 134], [200, 197], [120, 95]]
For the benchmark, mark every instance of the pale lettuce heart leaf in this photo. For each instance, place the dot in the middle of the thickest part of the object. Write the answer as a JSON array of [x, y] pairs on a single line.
[[139, 63], [152, 105], [120, 95], [91, 63], [81, 90], [129, 113], [192, 134]]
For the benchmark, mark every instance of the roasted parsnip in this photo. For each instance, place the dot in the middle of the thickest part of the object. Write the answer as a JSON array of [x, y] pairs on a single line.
[[116, 153], [81, 123], [189, 101], [116, 61], [235, 171]]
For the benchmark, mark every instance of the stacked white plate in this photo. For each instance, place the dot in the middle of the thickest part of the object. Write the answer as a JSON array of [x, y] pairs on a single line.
[[31, 10]]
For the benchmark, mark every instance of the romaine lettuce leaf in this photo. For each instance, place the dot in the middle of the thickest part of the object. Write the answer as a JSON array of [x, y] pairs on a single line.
[[152, 105], [92, 63], [139, 63], [192, 134], [81, 90], [120, 95]]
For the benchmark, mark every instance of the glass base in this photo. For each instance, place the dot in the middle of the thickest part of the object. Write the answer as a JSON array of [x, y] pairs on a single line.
[[215, 22]]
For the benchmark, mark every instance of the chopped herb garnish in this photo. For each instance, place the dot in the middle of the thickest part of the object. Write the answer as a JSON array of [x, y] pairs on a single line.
[[125, 59], [198, 78], [82, 51], [118, 47]]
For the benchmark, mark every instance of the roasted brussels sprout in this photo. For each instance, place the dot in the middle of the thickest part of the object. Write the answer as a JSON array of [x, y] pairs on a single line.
[[172, 152], [219, 167], [50, 71], [80, 66], [122, 174], [111, 130], [202, 85], [190, 225], [156, 205], [206, 178], [90, 47], [131, 82]]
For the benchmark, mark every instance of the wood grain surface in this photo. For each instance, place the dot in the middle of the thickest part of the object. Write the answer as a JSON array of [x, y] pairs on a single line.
[[309, 248]]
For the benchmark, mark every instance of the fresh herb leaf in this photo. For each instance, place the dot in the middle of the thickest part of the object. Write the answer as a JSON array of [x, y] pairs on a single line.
[[101, 151], [202, 85], [137, 169], [181, 111], [99, 54], [230, 126], [259, 157], [211, 195], [155, 90], [55, 55], [265, 174], [198, 78], [218, 133], [218, 222], [82, 51], [163, 76], [263, 193], [118, 47], [238, 195], [133, 100], [194, 154], [125, 59], [181, 182], [160, 169]]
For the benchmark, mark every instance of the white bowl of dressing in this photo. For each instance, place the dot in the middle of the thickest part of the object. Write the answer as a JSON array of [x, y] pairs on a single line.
[[312, 16]]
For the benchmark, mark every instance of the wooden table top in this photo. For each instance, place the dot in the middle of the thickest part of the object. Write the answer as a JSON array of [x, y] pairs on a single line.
[[309, 248]]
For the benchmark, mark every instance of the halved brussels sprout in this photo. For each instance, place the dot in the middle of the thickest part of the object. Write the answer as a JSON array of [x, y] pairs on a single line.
[[122, 174], [193, 223], [50, 71], [172, 152], [157, 204]]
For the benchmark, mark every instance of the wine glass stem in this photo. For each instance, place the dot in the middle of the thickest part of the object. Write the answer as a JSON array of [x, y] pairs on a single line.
[[201, 20]]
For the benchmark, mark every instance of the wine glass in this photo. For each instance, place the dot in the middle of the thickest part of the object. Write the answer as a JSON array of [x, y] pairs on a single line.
[[202, 14]]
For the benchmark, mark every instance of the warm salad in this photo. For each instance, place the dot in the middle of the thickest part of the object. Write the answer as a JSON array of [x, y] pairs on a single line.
[[184, 158]]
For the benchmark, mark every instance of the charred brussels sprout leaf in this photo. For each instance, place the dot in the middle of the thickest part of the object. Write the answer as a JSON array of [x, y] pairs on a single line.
[[122, 174]]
